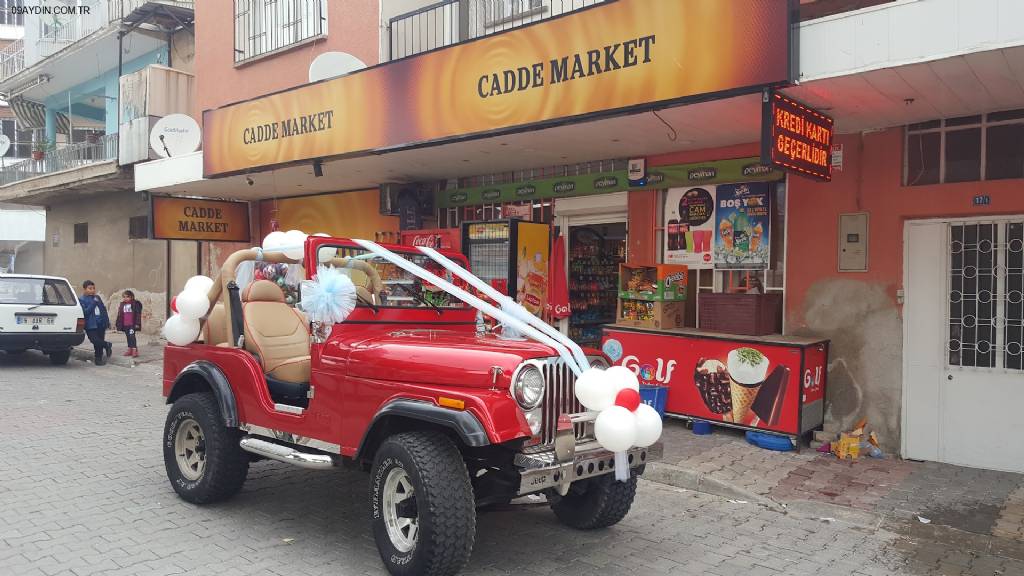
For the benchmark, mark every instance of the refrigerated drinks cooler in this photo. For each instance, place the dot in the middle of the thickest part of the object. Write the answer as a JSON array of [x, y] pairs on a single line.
[[512, 256]]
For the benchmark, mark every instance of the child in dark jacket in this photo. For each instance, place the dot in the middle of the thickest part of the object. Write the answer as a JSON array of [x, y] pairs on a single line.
[[129, 320], [96, 321]]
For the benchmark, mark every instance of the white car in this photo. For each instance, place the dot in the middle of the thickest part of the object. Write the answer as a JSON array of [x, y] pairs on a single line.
[[41, 313]]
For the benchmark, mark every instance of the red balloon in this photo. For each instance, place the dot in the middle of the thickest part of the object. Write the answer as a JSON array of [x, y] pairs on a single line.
[[628, 399], [174, 303]]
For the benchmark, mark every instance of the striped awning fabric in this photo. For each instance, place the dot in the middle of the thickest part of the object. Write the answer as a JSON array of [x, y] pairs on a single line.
[[32, 114]]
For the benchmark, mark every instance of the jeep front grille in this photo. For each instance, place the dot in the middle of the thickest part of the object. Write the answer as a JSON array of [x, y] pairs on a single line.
[[560, 398]]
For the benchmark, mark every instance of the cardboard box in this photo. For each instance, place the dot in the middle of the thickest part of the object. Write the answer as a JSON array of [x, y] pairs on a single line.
[[652, 282], [658, 315]]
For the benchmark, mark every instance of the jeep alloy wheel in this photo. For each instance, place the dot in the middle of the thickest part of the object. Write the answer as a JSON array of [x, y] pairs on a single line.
[[400, 514], [422, 506], [190, 449], [203, 460]]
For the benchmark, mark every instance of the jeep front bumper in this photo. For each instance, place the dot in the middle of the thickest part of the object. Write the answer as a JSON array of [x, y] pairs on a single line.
[[542, 469]]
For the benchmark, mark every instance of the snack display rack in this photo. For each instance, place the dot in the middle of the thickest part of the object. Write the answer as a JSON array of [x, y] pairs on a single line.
[[593, 283], [651, 295]]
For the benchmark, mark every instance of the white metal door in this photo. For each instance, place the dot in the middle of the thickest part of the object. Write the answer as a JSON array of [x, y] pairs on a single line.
[[963, 337]]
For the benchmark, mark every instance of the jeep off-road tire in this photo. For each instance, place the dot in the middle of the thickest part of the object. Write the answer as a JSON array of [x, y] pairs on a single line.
[[419, 483], [60, 357], [203, 460], [596, 503]]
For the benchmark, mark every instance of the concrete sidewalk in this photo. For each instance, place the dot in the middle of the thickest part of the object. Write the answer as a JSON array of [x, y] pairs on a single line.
[[151, 349], [899, 492]]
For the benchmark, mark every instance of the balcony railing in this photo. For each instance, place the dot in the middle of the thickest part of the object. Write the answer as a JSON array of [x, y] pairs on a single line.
[[450, 22], [65, 158], [51, 36]]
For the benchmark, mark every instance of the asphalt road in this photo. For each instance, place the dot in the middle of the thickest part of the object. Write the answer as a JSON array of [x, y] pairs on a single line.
[[83, 491]]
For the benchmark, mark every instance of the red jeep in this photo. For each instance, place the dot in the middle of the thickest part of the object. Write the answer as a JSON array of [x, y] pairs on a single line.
[[445, 417]]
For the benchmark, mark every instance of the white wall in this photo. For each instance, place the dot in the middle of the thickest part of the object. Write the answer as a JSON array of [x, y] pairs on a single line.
[[905, 32], [23, 224]]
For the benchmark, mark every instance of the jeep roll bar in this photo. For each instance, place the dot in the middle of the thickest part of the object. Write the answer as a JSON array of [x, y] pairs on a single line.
[[226, 278]]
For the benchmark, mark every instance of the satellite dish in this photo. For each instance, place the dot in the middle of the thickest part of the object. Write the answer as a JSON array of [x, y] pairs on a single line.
[[5, 144], [333, 64], [174, 135]]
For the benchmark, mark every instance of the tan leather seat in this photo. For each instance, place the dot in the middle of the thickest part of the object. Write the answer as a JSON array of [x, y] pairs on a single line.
[[276, 333], [215, 329]]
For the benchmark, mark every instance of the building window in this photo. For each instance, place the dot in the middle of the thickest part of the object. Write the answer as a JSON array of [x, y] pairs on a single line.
[[965, 149], [8, 16], [82, 233], [21, 140], [138, 227], [265, 26], [497, 12]]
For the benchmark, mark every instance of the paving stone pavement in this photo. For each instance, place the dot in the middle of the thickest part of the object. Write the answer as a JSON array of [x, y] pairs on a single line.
[[83, 491]]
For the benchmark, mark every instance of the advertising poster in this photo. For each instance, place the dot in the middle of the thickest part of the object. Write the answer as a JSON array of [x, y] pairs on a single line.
[[689, 226], [743, 217], [532, 266], [753, 385]]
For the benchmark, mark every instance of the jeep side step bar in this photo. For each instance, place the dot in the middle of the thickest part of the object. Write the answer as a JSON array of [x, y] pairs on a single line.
[[286, 454]]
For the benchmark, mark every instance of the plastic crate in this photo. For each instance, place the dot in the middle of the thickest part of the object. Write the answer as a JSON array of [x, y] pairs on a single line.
[[747, 314], [655, 397]]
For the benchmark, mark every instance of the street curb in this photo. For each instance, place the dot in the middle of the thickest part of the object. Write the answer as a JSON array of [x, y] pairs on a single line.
[[700, 482]]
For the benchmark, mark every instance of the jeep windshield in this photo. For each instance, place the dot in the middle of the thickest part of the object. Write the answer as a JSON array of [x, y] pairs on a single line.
[[36, 291], [397, 288]]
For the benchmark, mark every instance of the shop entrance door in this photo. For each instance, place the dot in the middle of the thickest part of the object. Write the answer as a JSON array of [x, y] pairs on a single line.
[[963, 381]]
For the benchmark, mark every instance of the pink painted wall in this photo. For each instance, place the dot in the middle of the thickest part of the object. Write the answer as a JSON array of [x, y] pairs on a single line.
[[352, 27], [859, 311]]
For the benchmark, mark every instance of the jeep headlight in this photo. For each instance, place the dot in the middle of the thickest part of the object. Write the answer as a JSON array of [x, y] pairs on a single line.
[[598, 362], [528, 387]]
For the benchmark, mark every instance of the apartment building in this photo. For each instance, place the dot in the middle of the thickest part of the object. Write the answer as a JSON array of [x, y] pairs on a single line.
[[84, 84]]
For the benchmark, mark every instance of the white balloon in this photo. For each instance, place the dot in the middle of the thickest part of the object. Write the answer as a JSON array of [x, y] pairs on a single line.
[[615, 429], [181, 331], [192, 304], [648, 425], [273, 240], [594, 390], [295, 241], [622, 377], [199, 284]]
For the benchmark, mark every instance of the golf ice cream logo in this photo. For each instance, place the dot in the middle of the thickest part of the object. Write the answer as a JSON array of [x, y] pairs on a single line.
[[647, 373]]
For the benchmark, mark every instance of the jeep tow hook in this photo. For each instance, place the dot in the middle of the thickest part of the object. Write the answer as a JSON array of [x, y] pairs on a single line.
[[286, 454]]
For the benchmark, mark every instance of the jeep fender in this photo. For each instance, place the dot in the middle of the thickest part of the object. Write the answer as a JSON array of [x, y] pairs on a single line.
[[465, 424], [192, 379]]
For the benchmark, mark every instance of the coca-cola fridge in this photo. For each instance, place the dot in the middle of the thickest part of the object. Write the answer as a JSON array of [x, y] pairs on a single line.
[[511, 255], [439, 238]]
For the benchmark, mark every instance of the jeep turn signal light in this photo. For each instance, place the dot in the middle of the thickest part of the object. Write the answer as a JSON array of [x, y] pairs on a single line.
[[451, 403]]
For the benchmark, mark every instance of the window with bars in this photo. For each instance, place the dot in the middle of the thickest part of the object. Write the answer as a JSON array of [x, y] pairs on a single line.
[[986, 295], [965, 149], [266, 26], [9, 17]]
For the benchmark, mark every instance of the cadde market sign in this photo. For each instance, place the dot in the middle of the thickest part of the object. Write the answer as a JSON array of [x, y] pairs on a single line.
[[611, 58]]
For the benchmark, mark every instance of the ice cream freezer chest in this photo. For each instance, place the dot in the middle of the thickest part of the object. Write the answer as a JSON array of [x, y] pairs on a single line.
[[773, 383]]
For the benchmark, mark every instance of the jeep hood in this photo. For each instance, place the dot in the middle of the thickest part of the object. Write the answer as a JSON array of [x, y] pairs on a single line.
[[441, 357]]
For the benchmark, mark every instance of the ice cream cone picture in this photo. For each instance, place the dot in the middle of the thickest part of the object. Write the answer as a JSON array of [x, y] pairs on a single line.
[[712, 380], [747, 371]]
